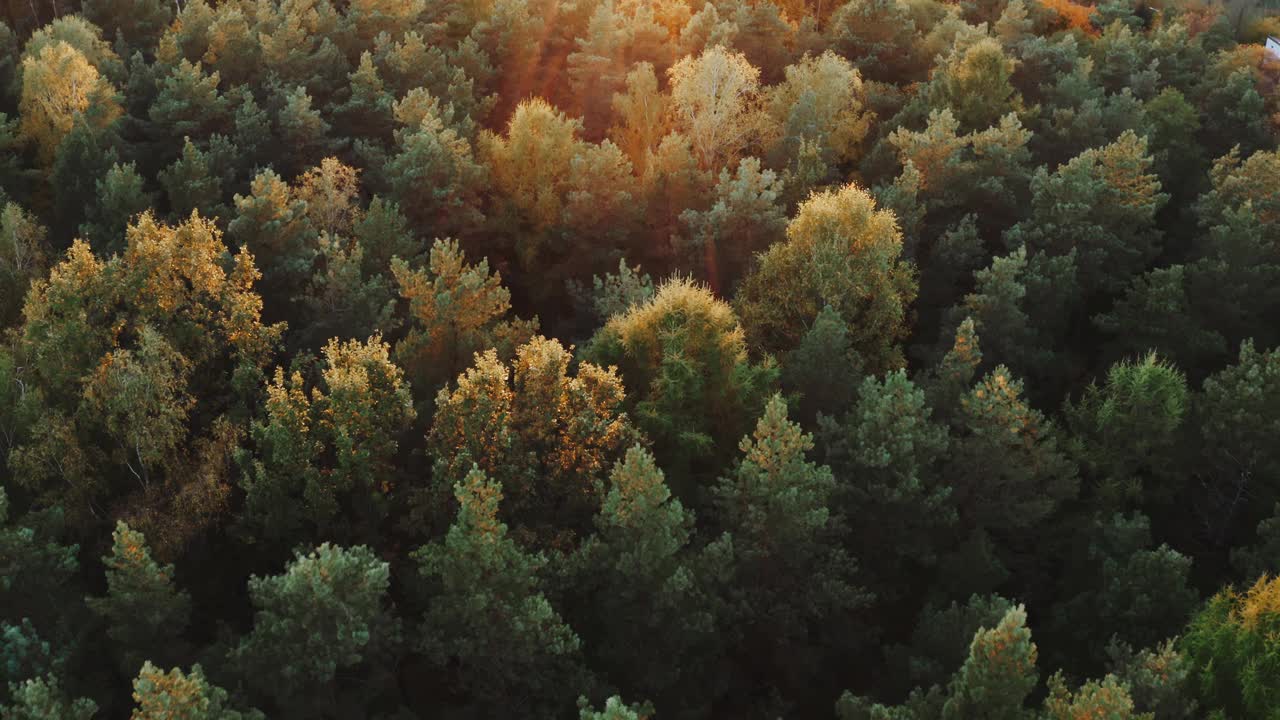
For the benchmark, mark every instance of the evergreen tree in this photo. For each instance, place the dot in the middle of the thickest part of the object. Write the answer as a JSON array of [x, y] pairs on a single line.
[[176, 695], [775, 507], [487, 616], [327, 612], [144, 612]]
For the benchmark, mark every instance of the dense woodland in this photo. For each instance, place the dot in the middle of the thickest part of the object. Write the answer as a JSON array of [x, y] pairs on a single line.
[[856, 359]]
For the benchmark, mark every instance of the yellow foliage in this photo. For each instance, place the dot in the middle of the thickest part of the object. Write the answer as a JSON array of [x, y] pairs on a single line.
[[59, 88]]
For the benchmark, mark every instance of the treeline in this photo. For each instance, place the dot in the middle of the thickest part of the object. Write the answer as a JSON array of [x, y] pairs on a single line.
[[878, 360]]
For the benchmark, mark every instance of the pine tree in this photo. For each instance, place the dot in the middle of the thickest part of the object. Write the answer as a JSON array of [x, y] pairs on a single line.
[[775, 507], [176, 695], [745, 219], [886, 453], [488, 618], [639, 564], [145, 613], [44, 699], [456, 309], [327, 612], [999, 674]]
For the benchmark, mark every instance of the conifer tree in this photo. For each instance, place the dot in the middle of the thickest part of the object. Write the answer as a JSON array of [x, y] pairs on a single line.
[[327, 612], [488, 617], [176, 695], [145, 613]]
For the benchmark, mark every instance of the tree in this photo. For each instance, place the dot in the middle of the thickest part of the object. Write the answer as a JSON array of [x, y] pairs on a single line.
[[1101, 205], [640, 564], [614, 709], [1234, 413], [843, 252], [878, 36], [145, 613], [975, 85], [776, 508], [823, 101], [434, 173], [530, 166], [327, 612], [324, 461], [44, 699], [821, 376], [746, 219], [488, 617], [545, 435], [596, 68], [1124, 586], [127, 353], [192, 185], [886, 453], [23, 249], [60, 88], [1130, 426], [176, 695], [456, 310], [642, 116], [715, 99], [121, 197], [1231, 646], [999, 673], [1008, 470], [39, 570], [139, 23], [693, 386], [1106, 699]]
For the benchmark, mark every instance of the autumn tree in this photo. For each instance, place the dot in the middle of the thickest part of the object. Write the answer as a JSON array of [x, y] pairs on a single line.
[[715, 99], [840, 251], [324, 461], [456, 309], [683, 358], [1230, 645], [60, 88], [549, 437], [176, 695]]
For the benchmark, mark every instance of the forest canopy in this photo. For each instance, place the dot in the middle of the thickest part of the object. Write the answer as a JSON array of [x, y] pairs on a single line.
[[633, 359]]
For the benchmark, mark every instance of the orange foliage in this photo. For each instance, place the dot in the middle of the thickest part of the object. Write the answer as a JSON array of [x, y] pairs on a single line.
[[1074, 15]]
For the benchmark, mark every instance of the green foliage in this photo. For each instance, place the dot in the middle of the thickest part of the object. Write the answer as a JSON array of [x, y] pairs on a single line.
[[1231, 648], [144, 612], [44, 699], [1130, 426], [886, 453], [841, 251], [488, 617], [327, 612], [684, 358], [176, 695], [324, 459]]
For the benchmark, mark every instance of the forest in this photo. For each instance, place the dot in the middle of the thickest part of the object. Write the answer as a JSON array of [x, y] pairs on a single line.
[[639, 359]]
